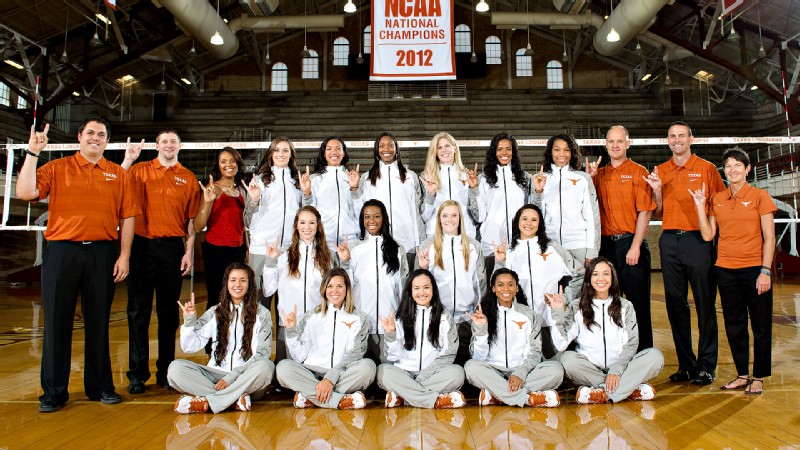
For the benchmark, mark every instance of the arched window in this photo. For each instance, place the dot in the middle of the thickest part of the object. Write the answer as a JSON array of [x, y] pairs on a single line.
[[367, 39], [311, 66], [524, 64], [462, 39], [5, 95], [341, 49], [555, 75], [493, 50], [280, 77]]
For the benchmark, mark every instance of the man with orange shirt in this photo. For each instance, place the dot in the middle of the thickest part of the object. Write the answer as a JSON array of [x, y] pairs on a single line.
[[169, 196], [89, 198], [626, 205], [685, 257]]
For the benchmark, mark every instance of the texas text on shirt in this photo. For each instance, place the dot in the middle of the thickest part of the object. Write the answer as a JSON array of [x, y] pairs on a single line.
[[622, 194], [679, 209], [740, 239]]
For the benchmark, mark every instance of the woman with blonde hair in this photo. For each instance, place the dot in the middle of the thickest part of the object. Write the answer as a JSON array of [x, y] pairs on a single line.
[[327, 345], [456, 263], [444, 178]]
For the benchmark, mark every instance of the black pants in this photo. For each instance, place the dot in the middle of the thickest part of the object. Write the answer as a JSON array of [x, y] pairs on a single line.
[[216, 259], [72, 268], [739, 298], [155, 267], [686, 259], [634, 281]]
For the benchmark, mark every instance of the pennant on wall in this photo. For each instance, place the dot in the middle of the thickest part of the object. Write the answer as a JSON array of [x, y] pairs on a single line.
[[112, 4], [412, 40]]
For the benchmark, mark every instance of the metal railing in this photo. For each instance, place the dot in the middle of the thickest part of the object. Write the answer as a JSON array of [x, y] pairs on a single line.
[[417, 91]]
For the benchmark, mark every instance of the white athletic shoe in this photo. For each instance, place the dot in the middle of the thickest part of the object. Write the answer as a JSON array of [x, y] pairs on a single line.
[[643, 392], [356, 400], [587, 395], [243, 404], [544, 399], [450, 400], [393, 400], [486, 399], [301, 402]]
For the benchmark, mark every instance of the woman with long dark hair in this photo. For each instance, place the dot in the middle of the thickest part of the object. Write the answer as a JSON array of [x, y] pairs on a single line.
[[498, 193], [296, 274], [391, 182], [444, 178], [568, 199], [605, 363], [421, 343], [327, 345], [379, 266], [745, 218], [221, 212], [274, 201], [327, 189], [240, 330], [541, 264], [456, 262], [507, 349]]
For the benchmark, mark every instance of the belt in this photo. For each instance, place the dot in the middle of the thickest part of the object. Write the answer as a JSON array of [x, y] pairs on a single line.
[[617, 237], [680, 231]]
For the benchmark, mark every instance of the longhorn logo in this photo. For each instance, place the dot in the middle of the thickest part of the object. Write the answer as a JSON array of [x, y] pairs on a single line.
[[545, 255], [519, 324], [349, 324], [574, 182]]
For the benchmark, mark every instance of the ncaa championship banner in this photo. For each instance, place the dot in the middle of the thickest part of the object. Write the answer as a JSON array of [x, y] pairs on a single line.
[[412, 40]]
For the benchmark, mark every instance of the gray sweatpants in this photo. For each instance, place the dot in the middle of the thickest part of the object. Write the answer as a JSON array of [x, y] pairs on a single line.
[[546, 375], [645, 365], [199, 380], [424, 394], [303, 379]]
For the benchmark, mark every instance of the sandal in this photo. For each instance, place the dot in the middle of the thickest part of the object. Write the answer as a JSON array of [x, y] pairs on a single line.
[[751, 390], [728, 387]]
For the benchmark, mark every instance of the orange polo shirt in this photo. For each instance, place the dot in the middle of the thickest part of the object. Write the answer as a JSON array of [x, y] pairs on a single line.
[[739, 222], [622, 194], [168, 196], [680, 213], [87, 200]]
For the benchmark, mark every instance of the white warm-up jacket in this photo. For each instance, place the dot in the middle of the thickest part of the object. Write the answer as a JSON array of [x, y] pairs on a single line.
[[424, 358], [606, 345], [330, 194], [330, 341], [375, 290], [495, 207], [517, 345], [302, 291], [540, 273], [195, 333], [460, 289], [403, 201], [571, 214], [453, 186], [273, 216]]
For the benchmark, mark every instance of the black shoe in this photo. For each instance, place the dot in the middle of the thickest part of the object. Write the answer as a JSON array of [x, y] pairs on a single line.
[[703, 378], [110, 398], [682, 375], [136, 387], [163, 383], [49, 404]]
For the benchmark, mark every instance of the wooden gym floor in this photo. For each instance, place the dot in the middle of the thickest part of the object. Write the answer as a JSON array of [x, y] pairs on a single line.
[[681, 416]]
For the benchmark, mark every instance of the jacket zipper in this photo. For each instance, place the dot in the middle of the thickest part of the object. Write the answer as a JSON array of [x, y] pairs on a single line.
[[338, 204], [305, 283], [505, 332], [421, 339], [283, 222], [605, 350], [449, 185], [560, 208], [235, 327], [505, 199], [377, 286], [333, 337], [455, 285], [530, 268], [391, 209]]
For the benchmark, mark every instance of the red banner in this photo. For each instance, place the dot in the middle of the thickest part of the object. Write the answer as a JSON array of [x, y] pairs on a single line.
[[728, 6]]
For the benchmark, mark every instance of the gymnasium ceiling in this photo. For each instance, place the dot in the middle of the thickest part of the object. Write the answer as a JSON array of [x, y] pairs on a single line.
[[144, 41]]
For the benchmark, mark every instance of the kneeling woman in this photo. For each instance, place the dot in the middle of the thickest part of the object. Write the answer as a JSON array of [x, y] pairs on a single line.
[[328, 368], [421, 342], [240, 330], [603, 325], [507, 349]]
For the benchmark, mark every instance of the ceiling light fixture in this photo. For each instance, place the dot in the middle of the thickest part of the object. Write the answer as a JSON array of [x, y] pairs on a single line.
[[761, 52], [474, 58], [360, 58], [13, 63], [482, 6], [95, 41], [305, 53], [613, 36], [64, 58], [350, 7], [564, 56], [647, 77], [216, 39], [528, 50], [667, 80]]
